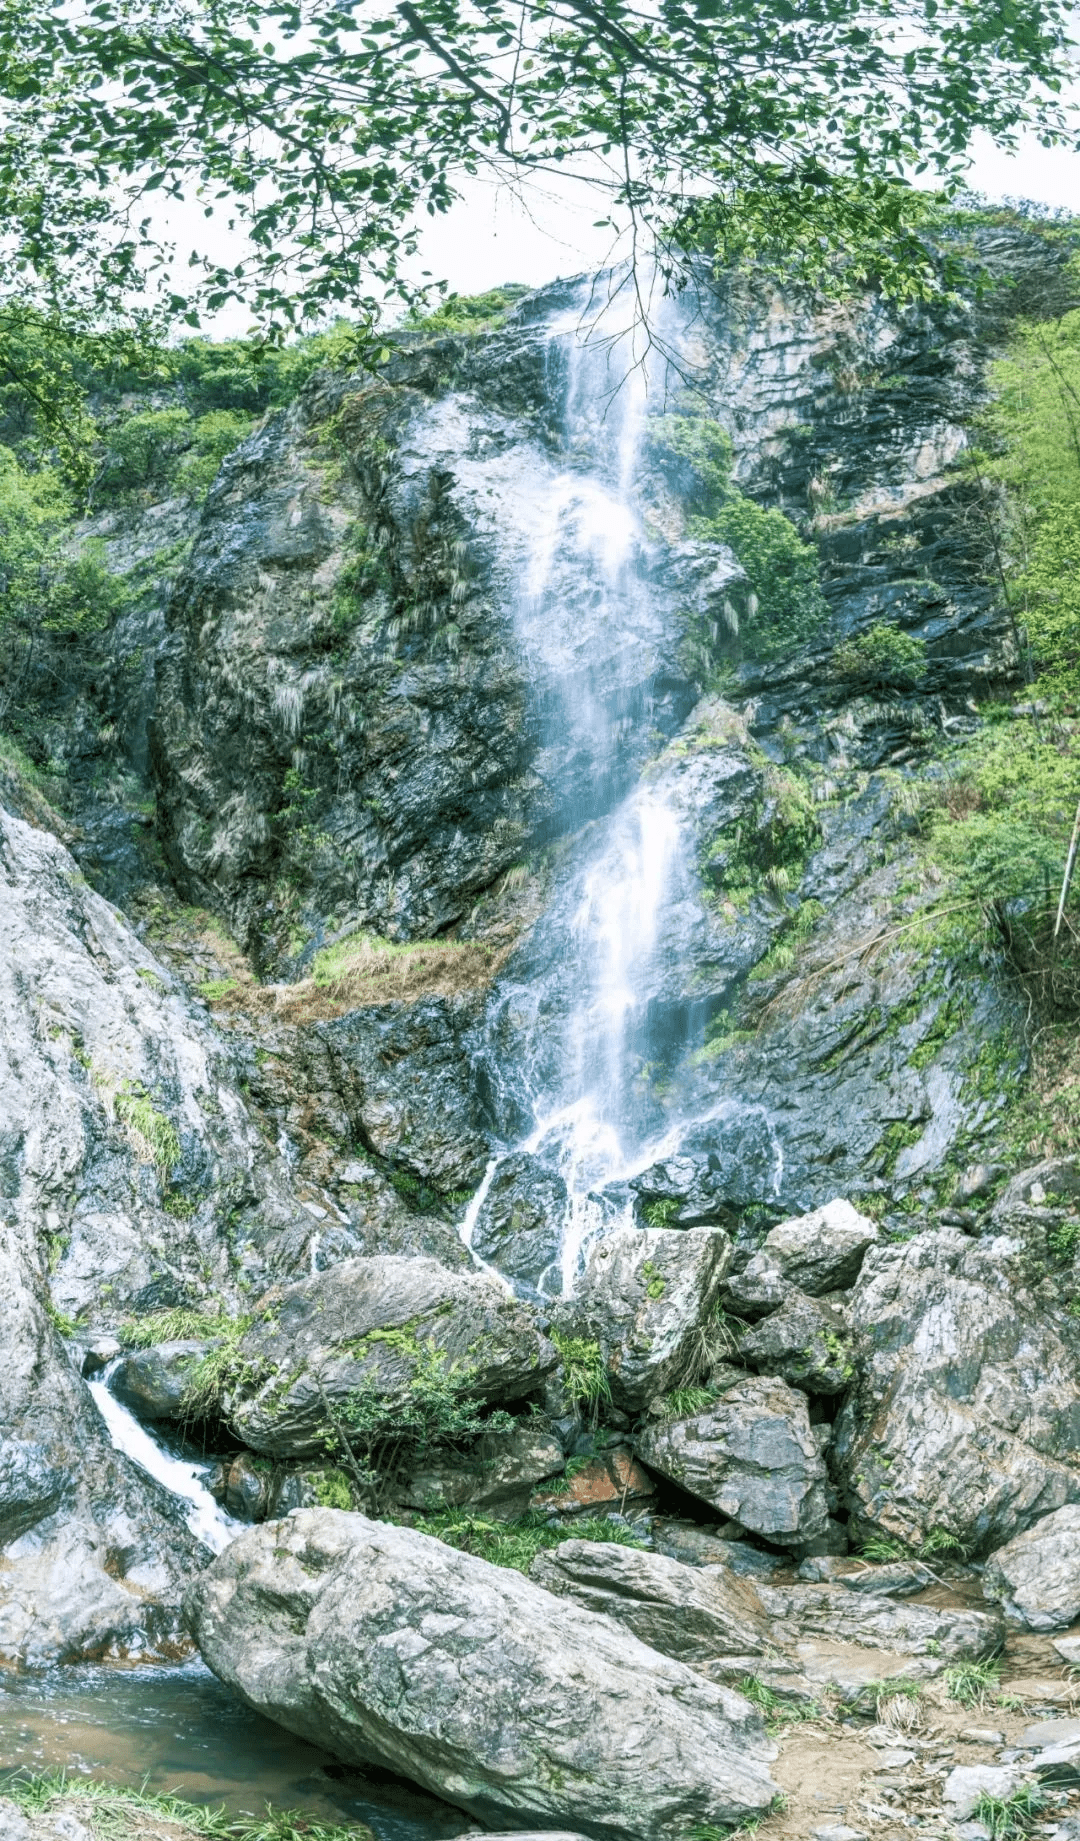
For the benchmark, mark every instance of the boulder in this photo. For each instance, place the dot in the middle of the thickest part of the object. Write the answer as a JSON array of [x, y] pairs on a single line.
[[381, 1326], [720, 1165], [248, 1482], [966, 1417], [822, 1251], [497, 1476], [153, 1383], [690, 1612], [646, 1296], [520, 1224], [892, 1579], [758, 1289], [753, 1455], [877, 1622], [387, 1647], [1036, 1577], [697, 1546], [805, 1342]]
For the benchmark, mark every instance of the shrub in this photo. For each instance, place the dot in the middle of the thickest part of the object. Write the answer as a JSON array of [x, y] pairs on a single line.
[[584, 1371], [882, 659], [143, 452]]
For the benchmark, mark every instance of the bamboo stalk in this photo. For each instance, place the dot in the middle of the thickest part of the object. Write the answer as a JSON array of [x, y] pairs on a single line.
[[1070, 864]]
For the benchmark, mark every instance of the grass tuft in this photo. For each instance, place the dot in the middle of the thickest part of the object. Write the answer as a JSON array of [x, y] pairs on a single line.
[[1010, 1817], [970, 1683]]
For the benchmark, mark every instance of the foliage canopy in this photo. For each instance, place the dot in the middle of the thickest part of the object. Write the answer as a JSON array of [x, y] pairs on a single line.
[[322, 131]]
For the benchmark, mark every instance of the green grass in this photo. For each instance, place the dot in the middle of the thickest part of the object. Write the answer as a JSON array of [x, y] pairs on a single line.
[[214, 988], [682, 1401], [153, 1136], [971, 1683], [183, 1323], [777, 1711], [881, 1548], [515, 1544], [1009, 1817], [939, 1542], [114, 1814], [584, 1372]]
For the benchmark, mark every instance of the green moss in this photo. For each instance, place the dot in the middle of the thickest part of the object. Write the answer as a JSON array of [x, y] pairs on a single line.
[[333, 1490], [214, 988], [780, 605], [768, 847]]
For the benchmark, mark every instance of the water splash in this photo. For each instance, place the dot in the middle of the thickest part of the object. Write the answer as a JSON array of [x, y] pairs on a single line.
[[206, 1518]]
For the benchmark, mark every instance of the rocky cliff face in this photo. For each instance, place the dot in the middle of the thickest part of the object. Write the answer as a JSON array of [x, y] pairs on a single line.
[[572, 900]]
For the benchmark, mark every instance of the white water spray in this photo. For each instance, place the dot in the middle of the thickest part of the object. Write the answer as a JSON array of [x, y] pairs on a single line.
[[206, 1518]]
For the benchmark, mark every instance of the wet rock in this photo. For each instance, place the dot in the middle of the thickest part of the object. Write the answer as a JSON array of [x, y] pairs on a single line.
[[385, 1646], [247, 1487], [374, 1325], [833, 1612], [752, 1455], [1036, 1577], [822, 1251], [646, 1296], [497, 1477], [153, 1383], [966, 1416], [805, 1342], [682, 1611], [721, 1165], [520, 1225], [610, 1480]]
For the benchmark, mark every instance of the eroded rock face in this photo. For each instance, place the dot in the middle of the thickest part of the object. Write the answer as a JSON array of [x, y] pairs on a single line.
[[372, 1325], [842, 1616], [752, 1455], [521, 1223], [388, 1647], [496, 1478], [646, 1296], [966, 1416], [690, 1612], [1036, 1577]]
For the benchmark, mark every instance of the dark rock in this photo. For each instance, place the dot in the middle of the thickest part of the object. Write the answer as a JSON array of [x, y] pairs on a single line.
[[648, 1296], [497, 1477], [247, 1487], [805, 1342], [752, 1455], [521, 1223], [153, 1383]]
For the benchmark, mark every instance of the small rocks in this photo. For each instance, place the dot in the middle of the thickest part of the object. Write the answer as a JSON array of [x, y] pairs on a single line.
[[1036, 1577], [1051, 1732], [752, 1454], [982, 1735]]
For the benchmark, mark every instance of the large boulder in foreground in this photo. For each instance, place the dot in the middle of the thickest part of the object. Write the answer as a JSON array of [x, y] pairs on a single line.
[[387, 1647], [1036, 1577], [966, 1417], [753, 1455], [382, 1328], [647, 1296]]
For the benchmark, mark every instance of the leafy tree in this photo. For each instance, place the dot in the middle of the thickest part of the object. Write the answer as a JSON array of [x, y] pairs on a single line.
[[882, 658], [324, 133]]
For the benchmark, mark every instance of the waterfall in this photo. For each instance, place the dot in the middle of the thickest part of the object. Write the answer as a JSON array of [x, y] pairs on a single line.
[[206, 1518]]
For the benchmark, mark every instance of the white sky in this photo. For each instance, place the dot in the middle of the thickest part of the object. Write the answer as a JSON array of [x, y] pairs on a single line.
[[492, 237]]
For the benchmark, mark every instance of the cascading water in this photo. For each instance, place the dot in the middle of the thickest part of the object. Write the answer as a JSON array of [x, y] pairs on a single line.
[[205, 1517], [598, 625]]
